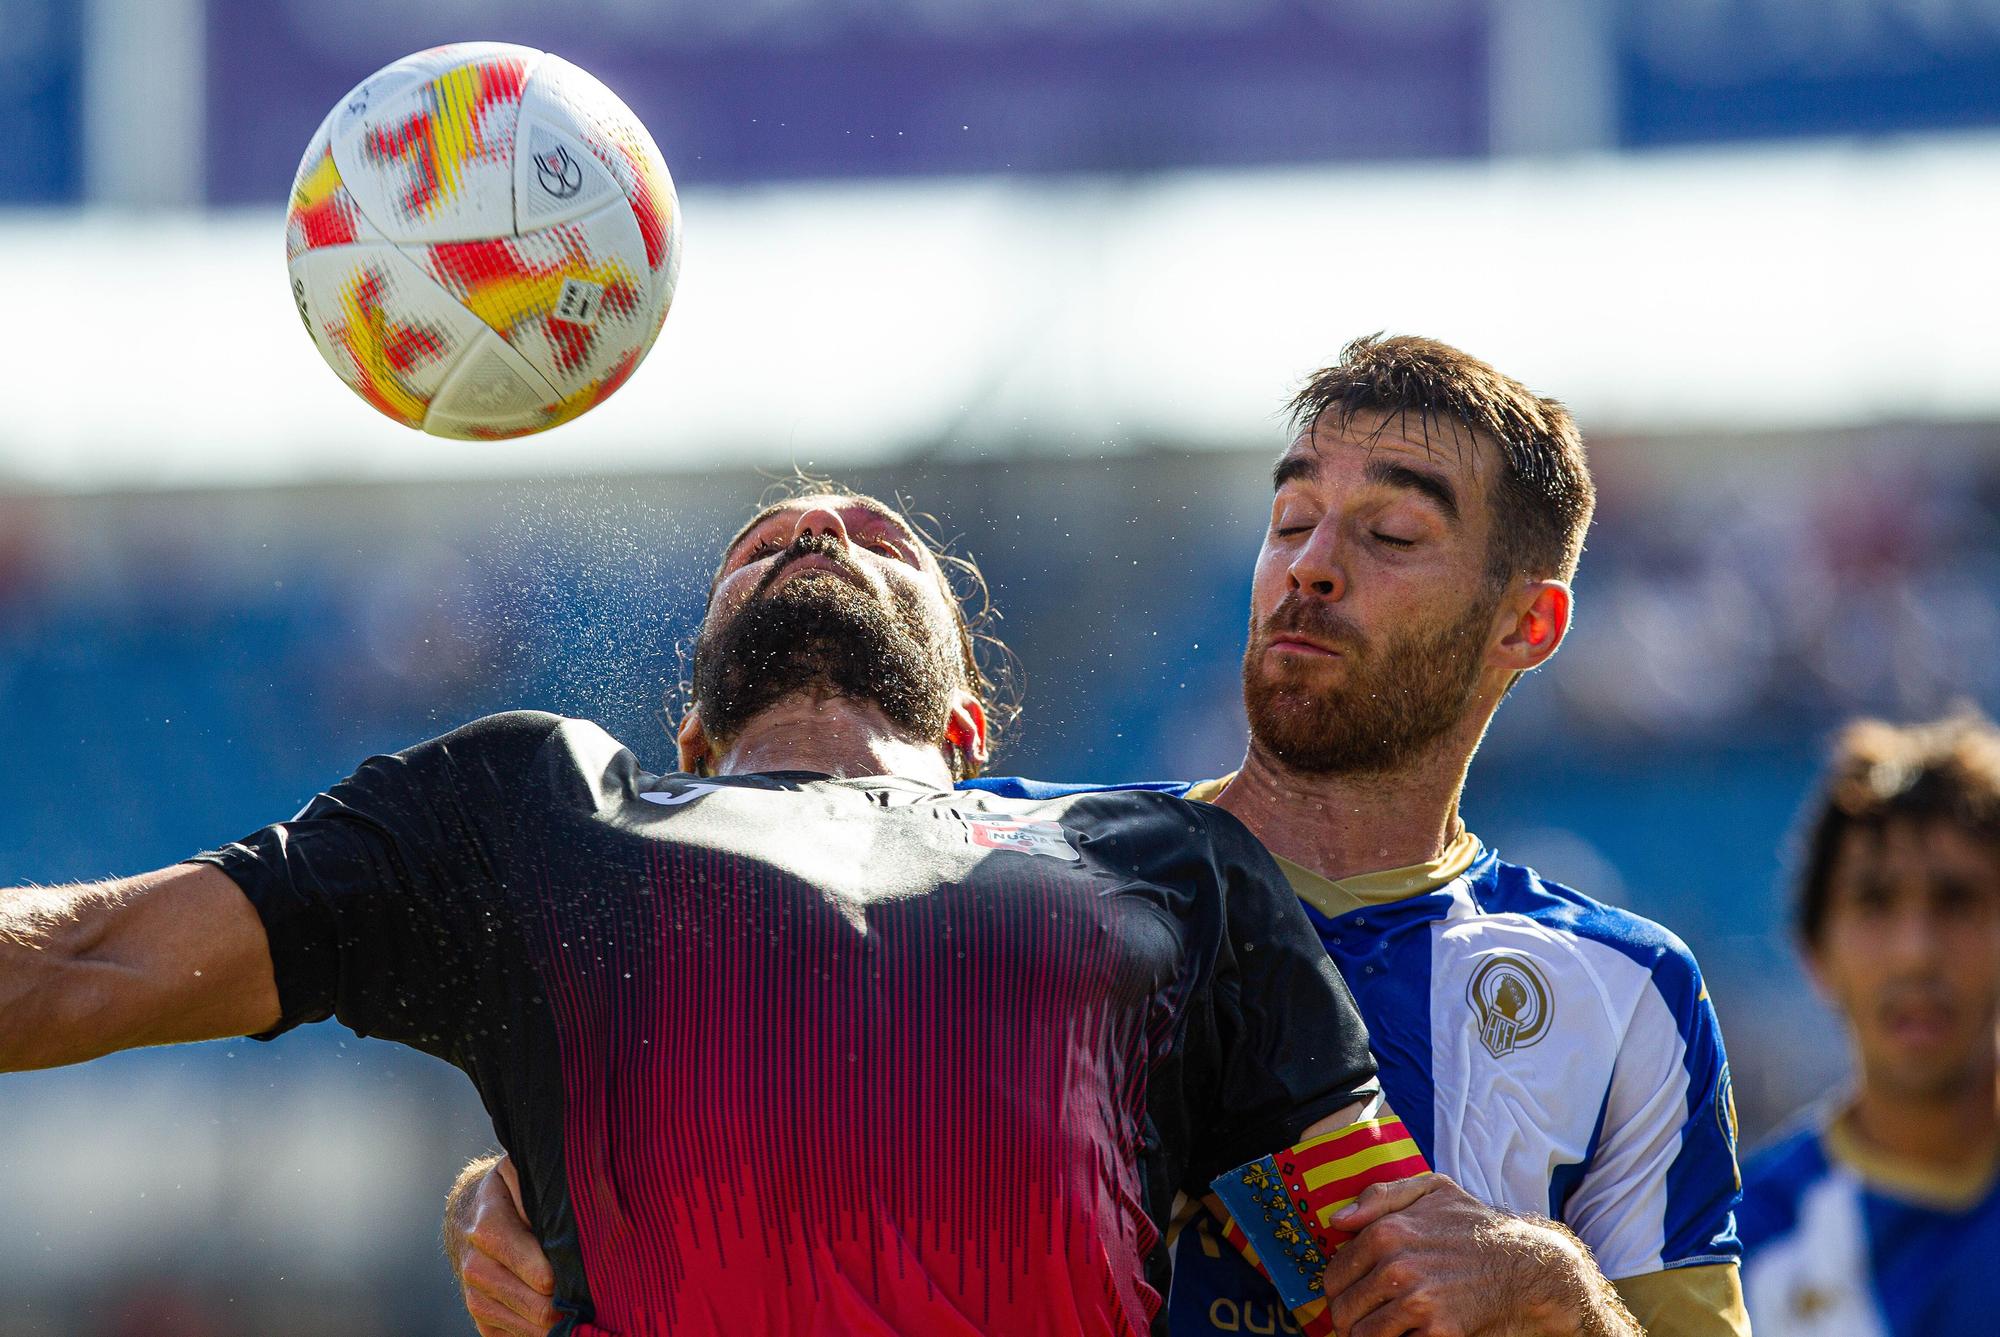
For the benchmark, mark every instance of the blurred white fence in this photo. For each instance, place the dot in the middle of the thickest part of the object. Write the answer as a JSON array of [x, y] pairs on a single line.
[[851, 324]]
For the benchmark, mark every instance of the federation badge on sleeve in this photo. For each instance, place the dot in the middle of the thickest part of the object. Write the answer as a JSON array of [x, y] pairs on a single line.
[[1280, 1205]]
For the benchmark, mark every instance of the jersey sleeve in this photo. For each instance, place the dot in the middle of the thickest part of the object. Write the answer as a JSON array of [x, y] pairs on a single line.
[[1701, 1301], [1661, 1189], [376, 899], [1281, 1043]]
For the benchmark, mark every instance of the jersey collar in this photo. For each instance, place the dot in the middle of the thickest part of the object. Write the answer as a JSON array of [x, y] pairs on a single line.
[[1336, 897], [1954, 1189]]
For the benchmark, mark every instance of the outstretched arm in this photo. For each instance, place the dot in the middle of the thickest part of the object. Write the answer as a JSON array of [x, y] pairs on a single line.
[[161, 958]]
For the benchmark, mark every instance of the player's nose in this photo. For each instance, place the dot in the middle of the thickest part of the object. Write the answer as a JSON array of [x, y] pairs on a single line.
[[1914, 940], [1317, 569], [821, 520]]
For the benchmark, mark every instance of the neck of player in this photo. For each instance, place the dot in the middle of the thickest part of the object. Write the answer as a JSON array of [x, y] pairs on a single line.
[[835, 735], [1946, 1129], [1344, 825]]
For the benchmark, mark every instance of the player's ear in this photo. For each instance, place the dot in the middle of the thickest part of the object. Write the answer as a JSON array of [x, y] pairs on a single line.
[[965, 732], [1535, 620], [696, 755]]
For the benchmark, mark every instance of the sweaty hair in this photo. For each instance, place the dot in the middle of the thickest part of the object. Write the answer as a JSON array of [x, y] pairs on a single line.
[[1543, 498], [1944, 771], [991, 672]]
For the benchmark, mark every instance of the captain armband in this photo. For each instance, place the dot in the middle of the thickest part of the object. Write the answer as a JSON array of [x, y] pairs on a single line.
[[1280, 1205]]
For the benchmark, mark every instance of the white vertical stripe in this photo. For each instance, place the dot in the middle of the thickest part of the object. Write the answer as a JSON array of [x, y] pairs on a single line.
[[1814, 1281], [1506, 1123], [1620, 1206], [144, 102]]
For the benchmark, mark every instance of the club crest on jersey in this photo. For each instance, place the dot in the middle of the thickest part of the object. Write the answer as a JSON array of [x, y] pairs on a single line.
[[996, 833], [1510, 996]]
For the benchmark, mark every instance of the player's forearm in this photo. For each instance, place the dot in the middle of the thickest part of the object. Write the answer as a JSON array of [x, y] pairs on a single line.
[[161, 958], [1605, 1315], [1575, 1299], [1602, 1316], [46, 984], [1610, 1318]]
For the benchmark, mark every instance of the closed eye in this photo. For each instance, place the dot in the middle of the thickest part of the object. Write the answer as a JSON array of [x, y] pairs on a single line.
[[1392, 540]]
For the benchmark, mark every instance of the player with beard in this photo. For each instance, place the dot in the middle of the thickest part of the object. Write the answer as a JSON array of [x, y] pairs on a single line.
[[1553, 1056], [813, 1042], [1556, 1058]]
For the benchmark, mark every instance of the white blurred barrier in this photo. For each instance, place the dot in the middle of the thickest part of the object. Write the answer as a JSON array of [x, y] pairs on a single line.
[[310, 1157], [1749, 289]]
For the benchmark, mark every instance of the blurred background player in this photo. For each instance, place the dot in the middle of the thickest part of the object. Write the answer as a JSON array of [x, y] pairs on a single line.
[[1555, 1056], [1880, 1215], [816, 1043]]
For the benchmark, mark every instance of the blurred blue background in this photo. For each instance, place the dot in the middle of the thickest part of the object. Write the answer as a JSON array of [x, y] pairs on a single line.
[[182, 661]]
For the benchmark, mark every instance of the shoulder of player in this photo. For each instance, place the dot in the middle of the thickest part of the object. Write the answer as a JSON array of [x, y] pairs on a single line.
[[511, 727], [1165, 803], [1152, 817], [508, 743], [1568, 916], [1582, 947], [1796, 1152], [1776, 1179]]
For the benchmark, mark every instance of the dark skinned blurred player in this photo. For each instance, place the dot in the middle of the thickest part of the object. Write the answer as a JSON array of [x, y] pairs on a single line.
[[1880, 1215]]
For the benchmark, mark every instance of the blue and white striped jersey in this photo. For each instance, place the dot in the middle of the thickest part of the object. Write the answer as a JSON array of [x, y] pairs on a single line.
[[1552, 1054], [1839, 1243]]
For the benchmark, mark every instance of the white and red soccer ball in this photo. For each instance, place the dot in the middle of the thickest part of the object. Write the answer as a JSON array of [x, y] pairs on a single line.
[[483, 241]]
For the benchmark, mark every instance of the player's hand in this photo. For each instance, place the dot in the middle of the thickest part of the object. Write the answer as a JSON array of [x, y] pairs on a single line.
[[1431, 1260], [506, 1279]]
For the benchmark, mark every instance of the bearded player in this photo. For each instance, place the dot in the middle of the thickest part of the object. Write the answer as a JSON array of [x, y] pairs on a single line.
[[1556, 1057], [804, 1041], [1553, 1055], [1880, 1215]]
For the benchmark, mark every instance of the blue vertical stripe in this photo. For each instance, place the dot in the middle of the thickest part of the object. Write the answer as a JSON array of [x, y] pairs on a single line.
[[1384, 953], [1564, 1178]]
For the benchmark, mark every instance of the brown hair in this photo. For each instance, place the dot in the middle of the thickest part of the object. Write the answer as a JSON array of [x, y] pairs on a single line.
[[992, 673], [1543, 498], [1947, 770]]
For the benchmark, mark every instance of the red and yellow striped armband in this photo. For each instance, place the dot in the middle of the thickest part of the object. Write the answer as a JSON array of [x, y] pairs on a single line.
[[1281, 1205]]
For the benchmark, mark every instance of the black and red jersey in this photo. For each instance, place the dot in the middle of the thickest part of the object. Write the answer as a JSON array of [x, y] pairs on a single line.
[[786, 1053]]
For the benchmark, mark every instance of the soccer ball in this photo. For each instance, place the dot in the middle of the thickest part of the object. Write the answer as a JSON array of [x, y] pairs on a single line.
[[483, 241]]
